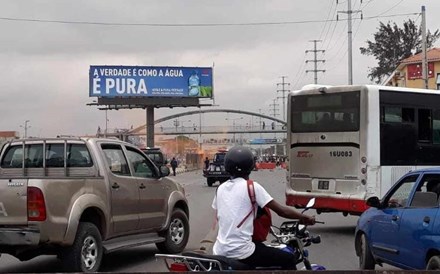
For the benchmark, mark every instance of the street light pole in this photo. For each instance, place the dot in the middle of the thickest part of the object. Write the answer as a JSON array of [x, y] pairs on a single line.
[[233, 126], [176, 124], [25, 127], [106, 124]]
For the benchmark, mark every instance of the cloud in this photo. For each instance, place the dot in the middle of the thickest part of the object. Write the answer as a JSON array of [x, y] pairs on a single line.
[[44, 71]]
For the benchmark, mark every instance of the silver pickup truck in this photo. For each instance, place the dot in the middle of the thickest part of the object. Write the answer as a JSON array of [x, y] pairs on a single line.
[[81, 198]]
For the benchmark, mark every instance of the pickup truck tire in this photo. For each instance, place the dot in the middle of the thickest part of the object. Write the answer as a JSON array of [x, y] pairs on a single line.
[[177, 233], [85, 255]]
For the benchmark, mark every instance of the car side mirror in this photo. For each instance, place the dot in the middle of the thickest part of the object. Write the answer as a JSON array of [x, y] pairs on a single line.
[[164, 171], [373, 202]]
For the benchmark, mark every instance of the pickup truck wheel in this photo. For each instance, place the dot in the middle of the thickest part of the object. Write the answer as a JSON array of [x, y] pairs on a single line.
[[210, 181], [177, 234], [85, 255]]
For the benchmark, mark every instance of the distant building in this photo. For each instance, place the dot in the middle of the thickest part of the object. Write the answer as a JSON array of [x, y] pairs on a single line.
[[409, 72], [7, 136]]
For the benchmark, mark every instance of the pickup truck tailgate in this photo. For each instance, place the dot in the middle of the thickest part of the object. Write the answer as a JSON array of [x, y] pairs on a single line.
[[13, 201]]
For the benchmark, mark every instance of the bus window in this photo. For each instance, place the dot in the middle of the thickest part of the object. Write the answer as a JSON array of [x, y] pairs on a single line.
[[408, 115], [424, 125], [325, 113], [398, 115], [393, 115], [436, 127]]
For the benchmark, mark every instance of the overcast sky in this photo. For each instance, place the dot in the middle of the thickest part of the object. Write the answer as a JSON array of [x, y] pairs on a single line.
[[44, 65]]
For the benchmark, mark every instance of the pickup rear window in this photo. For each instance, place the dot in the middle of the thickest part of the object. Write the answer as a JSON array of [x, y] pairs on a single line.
[[77, 156]]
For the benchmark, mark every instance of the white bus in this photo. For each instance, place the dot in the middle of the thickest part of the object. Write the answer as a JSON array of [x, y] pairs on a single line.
[[347, 143]]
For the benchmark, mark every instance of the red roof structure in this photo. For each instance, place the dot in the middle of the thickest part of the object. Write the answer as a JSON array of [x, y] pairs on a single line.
[[432, 55]]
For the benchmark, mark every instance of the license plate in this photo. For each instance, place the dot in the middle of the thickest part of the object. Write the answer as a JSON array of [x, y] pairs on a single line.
[[323, 184]]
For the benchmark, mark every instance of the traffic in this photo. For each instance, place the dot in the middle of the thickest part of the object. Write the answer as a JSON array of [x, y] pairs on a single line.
[[332, 167]]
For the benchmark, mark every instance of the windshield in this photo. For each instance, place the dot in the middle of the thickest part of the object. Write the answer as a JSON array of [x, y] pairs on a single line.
[[335, 112], [219, 157]]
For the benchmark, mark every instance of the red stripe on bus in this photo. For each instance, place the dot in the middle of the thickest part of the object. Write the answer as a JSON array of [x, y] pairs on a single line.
[[353, 206]]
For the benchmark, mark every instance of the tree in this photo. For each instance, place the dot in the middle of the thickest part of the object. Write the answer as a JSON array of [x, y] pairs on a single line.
[[393, 44]]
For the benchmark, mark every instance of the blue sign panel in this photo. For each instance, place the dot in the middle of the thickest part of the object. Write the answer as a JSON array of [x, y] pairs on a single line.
[[141, 81], [264, 141]]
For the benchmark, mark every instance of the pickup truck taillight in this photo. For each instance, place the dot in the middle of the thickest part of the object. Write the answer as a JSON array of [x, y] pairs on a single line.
[[36, 207]]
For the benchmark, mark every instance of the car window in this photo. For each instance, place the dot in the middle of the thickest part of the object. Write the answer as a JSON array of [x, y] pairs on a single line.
[[427, 192], [13, 157], [141, 166], [400, 195], [115, 159], [54, 155], [78, 156]]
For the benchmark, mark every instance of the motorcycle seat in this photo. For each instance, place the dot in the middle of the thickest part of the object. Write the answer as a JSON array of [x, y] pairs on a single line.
[[227, 263]]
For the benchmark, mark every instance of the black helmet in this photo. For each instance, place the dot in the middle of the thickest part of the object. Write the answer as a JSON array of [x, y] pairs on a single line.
[[239, 161]]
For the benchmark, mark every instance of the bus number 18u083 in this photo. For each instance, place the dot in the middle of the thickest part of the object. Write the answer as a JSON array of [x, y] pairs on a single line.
[[347, 143]]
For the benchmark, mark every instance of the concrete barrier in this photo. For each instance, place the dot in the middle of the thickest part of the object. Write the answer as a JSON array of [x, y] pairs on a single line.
[[264, 165]]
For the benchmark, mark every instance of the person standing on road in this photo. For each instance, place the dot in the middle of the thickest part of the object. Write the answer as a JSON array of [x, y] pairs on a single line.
[[232, 203], [206, 163], [174, 165]]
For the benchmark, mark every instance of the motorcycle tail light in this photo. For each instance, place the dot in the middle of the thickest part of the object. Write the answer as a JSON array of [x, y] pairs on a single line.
[[178, 267]]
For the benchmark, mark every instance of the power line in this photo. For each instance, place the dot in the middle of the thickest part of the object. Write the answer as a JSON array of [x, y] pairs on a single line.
[[195, 24], [330, 26], [393, 7], [328, 17]]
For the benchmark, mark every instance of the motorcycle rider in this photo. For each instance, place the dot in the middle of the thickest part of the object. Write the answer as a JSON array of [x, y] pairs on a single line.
[[232, 204]]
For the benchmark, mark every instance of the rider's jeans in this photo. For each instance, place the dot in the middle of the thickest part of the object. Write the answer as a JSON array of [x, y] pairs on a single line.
[[265, 256]]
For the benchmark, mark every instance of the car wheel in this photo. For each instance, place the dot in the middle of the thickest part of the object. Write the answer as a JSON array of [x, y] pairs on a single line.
[[177, 234], [433, 263], [210, 181], [366, 259], [85, 254]]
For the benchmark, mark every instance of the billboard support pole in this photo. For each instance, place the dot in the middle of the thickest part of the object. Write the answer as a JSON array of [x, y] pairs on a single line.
[[150, 126]]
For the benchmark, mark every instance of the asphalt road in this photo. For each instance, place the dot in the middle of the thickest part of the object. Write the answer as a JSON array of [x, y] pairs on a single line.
[[335, 252]]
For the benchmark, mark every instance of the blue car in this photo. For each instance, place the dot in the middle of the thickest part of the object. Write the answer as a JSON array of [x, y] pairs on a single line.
[[403, 228]]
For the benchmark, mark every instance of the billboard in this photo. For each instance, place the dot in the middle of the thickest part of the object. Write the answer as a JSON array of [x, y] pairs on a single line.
[[150, 81]]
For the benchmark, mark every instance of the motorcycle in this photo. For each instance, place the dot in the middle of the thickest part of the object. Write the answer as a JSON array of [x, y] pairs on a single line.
[[290, 236]]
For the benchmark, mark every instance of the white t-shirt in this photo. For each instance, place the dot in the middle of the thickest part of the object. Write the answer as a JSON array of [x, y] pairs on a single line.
[[233, 203]]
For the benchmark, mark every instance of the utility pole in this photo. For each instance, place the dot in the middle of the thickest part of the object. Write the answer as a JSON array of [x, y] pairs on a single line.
[[275, 109], [425, 72], [315, 60], [261, 127], [274, 114], [349, 13], [283, 90]]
